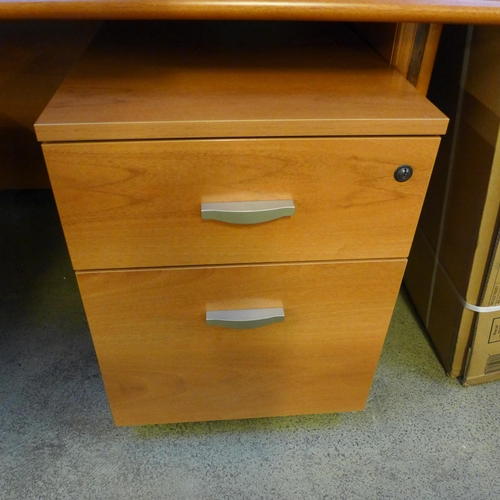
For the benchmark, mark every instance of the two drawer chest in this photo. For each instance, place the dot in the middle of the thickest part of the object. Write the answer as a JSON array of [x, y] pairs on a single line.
[[238, 200]]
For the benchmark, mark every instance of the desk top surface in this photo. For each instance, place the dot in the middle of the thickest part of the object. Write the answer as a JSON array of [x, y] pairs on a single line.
[[442, 11], [211, 79]]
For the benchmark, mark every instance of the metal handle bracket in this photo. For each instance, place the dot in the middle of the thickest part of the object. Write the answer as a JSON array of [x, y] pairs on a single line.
[[247, 212], [245, 318]]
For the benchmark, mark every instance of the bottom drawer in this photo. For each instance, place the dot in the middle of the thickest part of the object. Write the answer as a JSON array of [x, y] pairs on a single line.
[[162, 363]]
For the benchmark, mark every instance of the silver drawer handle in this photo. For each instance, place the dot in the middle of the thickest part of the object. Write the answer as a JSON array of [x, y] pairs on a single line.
[[245, 318], [247, 212]]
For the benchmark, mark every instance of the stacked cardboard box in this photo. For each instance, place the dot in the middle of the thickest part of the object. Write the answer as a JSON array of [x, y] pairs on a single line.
[[453, 274]]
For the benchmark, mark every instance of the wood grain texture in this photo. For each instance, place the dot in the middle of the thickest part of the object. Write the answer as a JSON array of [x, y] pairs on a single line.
[[179, 80], [421, 34], [442, 11], [404, 42], [423, 54], [415, 48], [134, 204], [400, 45], [161, 363], [428, 58]]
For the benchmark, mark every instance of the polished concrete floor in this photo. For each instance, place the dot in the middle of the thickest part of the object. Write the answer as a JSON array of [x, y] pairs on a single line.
[[422, 435]]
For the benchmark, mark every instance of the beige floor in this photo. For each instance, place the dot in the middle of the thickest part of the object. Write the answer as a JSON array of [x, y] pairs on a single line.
[[422, 435]]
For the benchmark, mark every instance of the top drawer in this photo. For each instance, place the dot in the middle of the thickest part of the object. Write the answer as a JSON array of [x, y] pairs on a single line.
[[138, 204]]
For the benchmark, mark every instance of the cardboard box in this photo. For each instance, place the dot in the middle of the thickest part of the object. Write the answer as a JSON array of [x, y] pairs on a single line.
[[484, 360], [452, 274]]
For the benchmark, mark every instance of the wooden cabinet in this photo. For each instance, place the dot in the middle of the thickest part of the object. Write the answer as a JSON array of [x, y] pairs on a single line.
[[147, 130]]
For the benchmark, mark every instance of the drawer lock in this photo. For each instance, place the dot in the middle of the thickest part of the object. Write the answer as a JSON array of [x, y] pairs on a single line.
[[403, 173]]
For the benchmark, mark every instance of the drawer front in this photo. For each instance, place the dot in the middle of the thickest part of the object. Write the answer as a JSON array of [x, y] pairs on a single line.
[[161, 362], [138, 204]]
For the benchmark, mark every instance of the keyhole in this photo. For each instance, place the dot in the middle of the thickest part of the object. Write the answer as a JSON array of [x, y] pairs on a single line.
[[403, 173]]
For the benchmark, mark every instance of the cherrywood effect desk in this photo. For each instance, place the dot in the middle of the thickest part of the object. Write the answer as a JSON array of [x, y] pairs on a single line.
[[411, 40], [405, 32], [346, 281], [388, 11], [230, 197]]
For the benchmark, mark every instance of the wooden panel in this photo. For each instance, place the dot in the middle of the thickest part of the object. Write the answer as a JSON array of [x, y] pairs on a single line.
[[444, 11], [161, 363], [415, 48], [135, 204], [233, 80], [409, 47], [34, 59], [428, 57], [417, 54], [403, 47]]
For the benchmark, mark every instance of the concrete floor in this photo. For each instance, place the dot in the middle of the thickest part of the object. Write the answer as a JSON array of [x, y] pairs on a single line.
[[422, 435]]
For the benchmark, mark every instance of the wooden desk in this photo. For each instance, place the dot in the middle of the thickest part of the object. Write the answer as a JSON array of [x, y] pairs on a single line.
[[390, 11], [409, 46], [169, 144], [38, 50]]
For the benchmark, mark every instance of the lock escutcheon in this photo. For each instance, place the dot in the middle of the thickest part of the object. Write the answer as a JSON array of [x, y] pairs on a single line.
[[403, 173]]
